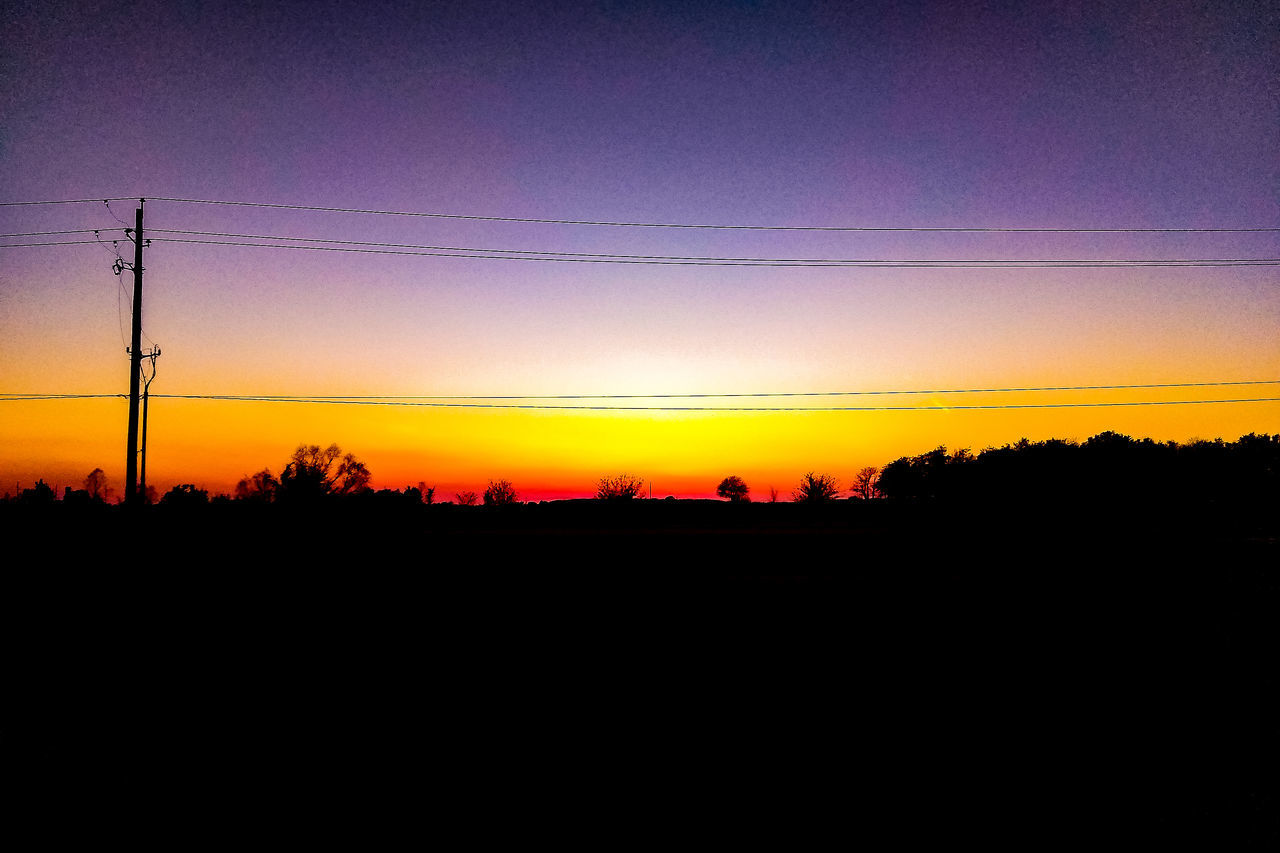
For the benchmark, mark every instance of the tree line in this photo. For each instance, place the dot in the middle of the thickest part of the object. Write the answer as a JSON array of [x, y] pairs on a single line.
[[1106, 466]]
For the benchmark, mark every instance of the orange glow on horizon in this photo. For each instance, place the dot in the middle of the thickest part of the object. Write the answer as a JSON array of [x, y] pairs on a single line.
[[549, 455]]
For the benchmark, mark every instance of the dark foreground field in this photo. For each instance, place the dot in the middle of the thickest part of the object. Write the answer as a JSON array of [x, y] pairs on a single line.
[[689, 671]]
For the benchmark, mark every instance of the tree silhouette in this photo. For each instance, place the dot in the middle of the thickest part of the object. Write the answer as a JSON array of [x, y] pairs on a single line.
[[466, 498], [315, 473], [922, 476], [816, 488], [260, 487], [95, 483], [40, 493], [185, 495], [500, 493], [864, 484], [734, 489], [623, 487]]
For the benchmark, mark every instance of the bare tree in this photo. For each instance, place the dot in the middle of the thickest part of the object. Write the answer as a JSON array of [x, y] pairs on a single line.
[[466, 498], [313, 472], [428, 493], [622, 487], [865, 483], [500, 493], [773, 495], [734, 489], [816, 488]]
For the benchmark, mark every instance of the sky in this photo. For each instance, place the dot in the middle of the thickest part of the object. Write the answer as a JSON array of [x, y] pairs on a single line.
[[869, 115]]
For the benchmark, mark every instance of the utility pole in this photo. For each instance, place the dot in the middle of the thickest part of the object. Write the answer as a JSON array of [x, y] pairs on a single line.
[[146, 397], [131, 496]]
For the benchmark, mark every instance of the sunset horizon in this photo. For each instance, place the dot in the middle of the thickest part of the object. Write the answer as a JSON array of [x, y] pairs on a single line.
[[820, 208], [343, 344]]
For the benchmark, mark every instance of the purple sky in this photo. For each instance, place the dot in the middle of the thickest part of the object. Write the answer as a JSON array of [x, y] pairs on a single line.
[[1002, 113]]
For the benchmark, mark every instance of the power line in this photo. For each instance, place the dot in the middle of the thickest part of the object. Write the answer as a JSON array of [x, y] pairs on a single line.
[[77, 231], [52, 243], [888, 392], [578, 407], [69, 201], [24, 398], [730, 408], [107, 202], [624, 224], [852, 228], [756, 394], [870, 263], [751, 260], [685, 260]]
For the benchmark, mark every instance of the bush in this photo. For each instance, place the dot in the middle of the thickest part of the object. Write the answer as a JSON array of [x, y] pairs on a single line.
[[623, 487], [816, 488], [500, 493]]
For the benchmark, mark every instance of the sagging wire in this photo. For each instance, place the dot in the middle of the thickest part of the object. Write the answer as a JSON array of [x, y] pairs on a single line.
[[118, 266]]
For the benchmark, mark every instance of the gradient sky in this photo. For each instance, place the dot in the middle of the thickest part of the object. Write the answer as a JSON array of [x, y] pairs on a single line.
[[1056, 115]]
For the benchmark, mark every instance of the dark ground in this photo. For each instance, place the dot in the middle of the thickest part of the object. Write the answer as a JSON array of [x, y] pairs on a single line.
[[895, 674]]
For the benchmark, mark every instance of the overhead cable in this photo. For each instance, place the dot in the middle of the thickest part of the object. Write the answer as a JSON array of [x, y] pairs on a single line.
[[627, 224], [743, 260], [879, 393], [855, 228], [605, 408], [51, 243], [98, 200], [76, 231], [869, 263]]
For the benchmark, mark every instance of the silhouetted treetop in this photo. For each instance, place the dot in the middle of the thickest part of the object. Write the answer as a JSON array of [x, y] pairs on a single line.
[[1107, 467], [185, 496], [500, 493], [39, 494], [621, 487], [261, 487], [865, 483], [95, 484], [733, 488], [316, 473], [816, 488]]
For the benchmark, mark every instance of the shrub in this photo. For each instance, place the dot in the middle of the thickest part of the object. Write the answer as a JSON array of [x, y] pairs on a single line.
[[816, 488], [500, 493], [623, 487]]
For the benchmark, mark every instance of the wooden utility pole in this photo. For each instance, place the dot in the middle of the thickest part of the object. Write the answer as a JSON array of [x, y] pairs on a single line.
[[131, 494], [146, 397]]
